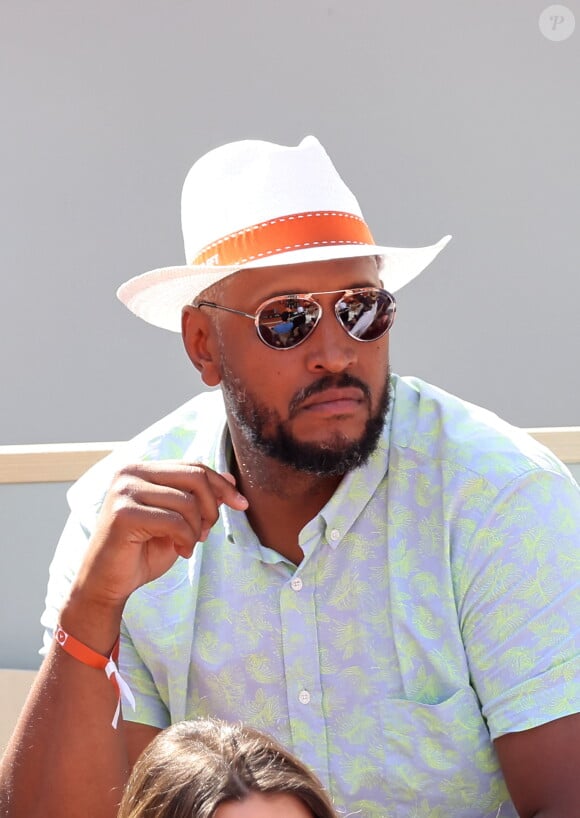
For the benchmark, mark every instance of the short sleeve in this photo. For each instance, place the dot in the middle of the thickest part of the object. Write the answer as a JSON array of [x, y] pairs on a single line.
[[64, 567], [519, 603], [149, 708]]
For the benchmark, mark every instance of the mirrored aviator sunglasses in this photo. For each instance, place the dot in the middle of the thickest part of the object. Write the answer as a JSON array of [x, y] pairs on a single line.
[[285, 321]]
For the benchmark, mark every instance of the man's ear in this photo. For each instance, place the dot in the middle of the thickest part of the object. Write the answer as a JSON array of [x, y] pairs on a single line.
[[197, 340]]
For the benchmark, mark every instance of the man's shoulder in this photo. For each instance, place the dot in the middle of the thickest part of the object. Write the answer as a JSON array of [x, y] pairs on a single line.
[[189, 432], [436, 425]]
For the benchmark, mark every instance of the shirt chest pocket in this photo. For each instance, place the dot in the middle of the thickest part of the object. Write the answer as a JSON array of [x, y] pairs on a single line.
[[440, 757]]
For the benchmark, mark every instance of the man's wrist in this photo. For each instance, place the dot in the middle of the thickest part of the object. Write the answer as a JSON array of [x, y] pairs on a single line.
[[92, 622]]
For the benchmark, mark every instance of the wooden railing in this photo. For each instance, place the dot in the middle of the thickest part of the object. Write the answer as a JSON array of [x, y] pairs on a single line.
[[64, 462], [49, 462]]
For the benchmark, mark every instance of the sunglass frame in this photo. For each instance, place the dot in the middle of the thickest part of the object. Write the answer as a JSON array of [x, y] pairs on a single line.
[[310, 297]]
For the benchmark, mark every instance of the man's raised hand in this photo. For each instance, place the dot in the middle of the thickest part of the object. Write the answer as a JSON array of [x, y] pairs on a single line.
[[152, 513]]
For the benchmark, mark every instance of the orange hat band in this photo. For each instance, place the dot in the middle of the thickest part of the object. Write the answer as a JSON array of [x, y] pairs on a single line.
[[282, 235]]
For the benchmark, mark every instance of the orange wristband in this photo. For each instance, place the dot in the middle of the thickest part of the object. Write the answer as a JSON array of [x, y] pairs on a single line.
[[88, 656], [82, 652]]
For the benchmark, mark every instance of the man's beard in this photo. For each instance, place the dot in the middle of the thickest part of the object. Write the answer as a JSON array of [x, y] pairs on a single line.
[[332, 458]]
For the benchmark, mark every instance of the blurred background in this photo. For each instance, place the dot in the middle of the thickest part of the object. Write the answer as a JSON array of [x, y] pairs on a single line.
[[447, 117]]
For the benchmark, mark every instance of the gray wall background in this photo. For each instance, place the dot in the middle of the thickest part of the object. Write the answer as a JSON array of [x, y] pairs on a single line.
[[443, 117]]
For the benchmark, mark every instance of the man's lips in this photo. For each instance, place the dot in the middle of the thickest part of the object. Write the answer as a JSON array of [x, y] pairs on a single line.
[[334, 401], [330, 394]]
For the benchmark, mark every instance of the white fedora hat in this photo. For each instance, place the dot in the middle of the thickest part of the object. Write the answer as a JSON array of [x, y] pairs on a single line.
[[256, 204]]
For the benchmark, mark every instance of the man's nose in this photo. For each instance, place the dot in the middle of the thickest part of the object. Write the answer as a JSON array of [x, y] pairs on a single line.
[[330, 348]]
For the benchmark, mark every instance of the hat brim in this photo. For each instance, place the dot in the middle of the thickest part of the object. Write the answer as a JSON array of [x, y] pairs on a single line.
[[159, 296]]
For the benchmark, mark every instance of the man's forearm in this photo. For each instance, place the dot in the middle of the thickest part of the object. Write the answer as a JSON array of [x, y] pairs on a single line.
[[65, 760]]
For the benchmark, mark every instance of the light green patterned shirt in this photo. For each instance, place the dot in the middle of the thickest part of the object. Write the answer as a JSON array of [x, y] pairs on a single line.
[[437, 607]]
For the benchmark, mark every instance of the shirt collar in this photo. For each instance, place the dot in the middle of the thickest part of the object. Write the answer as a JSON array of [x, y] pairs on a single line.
[[356, 488]]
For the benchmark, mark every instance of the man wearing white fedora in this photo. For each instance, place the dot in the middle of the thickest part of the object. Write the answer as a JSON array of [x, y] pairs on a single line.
[[376, 572]]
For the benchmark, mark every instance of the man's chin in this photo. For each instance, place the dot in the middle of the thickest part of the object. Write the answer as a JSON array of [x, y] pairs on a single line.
[[333, 457], [334, 437], [334, 431]]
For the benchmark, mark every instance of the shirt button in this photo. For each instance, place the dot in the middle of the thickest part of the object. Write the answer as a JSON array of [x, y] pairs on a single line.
[[296, 584], [335, 534], [304, 697]]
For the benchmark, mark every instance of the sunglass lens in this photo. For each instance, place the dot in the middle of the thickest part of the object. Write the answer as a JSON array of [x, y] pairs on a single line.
[[285, 322], [366, 315]]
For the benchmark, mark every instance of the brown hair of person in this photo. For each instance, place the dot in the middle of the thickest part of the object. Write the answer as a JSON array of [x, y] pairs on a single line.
[[192, 767]]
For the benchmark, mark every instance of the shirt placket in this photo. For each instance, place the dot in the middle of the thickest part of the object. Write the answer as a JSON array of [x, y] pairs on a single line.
[[302, 666]]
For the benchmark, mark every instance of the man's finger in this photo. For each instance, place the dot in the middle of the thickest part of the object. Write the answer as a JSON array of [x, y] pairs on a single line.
[[188, 477], [226, 490]]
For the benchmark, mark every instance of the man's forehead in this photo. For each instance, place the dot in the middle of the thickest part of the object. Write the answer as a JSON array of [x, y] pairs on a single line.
[[293, 278]]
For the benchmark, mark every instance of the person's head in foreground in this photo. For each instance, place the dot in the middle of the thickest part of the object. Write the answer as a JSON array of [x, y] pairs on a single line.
[[211, 769]]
